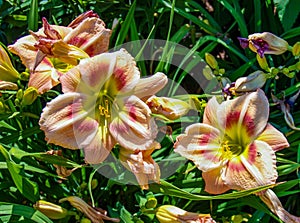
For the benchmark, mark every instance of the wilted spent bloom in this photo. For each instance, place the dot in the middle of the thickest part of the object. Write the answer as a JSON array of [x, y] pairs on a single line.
[[265, 43], [173, 214], [7, 70], [96, 215], [51, 210], [141, 164]]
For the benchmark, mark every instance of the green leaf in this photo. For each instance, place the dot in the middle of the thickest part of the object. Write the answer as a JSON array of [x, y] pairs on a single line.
[[288, 11], [27, 188], [33, 16], [54, 159], [24, 211], [171, 190], [125, 25]]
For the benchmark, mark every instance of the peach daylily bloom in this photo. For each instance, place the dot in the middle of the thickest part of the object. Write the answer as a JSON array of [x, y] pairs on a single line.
[[141, 164], [173, 214], [98, 110], [53, 50], [235, 146]]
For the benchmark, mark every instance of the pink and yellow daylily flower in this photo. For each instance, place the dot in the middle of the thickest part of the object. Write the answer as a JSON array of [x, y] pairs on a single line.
[[234, 146], [98, 109], [53, 50]]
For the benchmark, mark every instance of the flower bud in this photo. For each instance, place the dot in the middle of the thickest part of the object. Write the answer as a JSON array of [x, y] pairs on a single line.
[[169, 107], [211, 60], [252, 82], [172, 214], [151, 201], [207, 72], [6, 85], [267, 43], [296, 49], [51, 210], [262, 61], [29, 96]]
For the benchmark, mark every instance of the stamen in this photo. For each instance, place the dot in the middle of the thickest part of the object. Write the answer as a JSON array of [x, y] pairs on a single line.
[[104, 110]]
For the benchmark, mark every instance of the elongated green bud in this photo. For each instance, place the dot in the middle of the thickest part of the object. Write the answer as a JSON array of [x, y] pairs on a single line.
[[51, 210], [211, 60]]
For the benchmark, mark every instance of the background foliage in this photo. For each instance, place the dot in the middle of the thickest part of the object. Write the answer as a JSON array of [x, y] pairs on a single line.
[[27, 174]]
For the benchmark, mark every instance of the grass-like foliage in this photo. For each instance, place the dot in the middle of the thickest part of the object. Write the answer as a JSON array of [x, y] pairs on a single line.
[[222, 50]]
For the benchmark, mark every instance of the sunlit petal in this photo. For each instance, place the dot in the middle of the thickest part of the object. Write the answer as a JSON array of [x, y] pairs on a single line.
[[210, 113], [66, 123], [149, 86], [214, 183], [99, 148], [91, 36], [274, 138], [133, 127], [255, 167], [245, 117], [200, 143]]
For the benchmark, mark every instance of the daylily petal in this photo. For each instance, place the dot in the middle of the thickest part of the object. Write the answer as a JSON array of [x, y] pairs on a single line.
[[149, 86], [66, 124], [44, 77], [133, 127], [99, 148], [245, 117], [200, 143], [24, 48], [272, 201], [169, 107], [81, 17], [214, 183], [210, 112], [125, 75], [274, 138], [97, 70], [91, 36], [71, 80], [256, 166]]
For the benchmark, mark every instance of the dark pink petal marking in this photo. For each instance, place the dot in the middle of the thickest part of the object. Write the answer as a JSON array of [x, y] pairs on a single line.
[[77, 41], [120, 77]]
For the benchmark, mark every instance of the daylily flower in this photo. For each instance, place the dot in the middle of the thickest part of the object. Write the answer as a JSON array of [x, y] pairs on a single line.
[[98, 110], [265, 43], [96, 215], [234, 146], [53, 50], [173, 214], [141, 164], [7, 70]]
